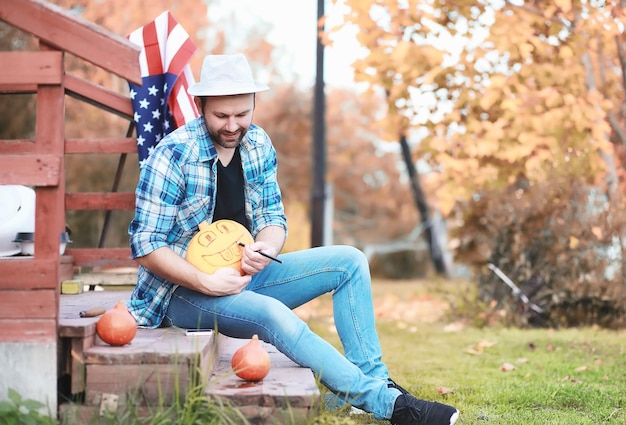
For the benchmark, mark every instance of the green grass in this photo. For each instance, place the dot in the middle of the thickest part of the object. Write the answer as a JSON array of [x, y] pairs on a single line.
[[567, 376]]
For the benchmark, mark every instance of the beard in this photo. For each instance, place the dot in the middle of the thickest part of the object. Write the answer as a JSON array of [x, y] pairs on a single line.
[[227, 140]]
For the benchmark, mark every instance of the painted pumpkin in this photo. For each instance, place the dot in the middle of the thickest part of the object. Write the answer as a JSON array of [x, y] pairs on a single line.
[[117, 326], [216, 246], [251, 362]]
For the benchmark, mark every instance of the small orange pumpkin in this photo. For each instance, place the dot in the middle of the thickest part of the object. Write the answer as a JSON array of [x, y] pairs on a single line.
[[215, 246], [117, 326], [251, 362]]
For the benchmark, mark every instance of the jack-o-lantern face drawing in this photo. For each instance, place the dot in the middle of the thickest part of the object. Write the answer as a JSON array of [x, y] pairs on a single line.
[[215, 246]]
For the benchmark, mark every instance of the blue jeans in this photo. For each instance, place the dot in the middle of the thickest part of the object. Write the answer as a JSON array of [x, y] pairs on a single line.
[[265, 308]]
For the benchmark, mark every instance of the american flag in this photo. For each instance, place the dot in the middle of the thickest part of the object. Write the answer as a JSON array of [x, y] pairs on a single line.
[[161, 103]]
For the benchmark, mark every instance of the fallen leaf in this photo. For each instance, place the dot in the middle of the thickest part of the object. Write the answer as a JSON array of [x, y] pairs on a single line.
[[598, 362], [507, 367], [444, 390], [485, 343], [455, 327], [531, 346], [582, 369], [550, 347], [479, 348], [522, 360]]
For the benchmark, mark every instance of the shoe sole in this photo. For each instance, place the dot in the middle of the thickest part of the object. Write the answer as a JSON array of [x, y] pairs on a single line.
[[454, 417]]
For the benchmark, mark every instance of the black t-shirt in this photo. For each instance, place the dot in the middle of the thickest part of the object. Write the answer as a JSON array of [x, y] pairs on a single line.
[[230, 202]]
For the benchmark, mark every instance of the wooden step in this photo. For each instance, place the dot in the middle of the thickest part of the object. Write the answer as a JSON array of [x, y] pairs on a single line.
[[157, 367], [118, 278], [287, 395]]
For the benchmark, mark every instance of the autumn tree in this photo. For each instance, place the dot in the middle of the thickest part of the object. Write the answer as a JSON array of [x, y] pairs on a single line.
[[506, 89], [369, 183], [518, 98]]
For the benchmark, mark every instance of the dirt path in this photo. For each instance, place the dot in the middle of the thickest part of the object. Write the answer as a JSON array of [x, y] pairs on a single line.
[[400, 301]]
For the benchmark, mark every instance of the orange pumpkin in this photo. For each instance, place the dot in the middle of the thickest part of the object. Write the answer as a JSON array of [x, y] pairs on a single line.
[[251, 362], [215, 246], [117, 326]]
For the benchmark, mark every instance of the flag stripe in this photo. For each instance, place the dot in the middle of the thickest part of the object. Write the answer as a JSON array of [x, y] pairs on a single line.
[[137, 38], [151, 44], [184, 109], [183, 48]]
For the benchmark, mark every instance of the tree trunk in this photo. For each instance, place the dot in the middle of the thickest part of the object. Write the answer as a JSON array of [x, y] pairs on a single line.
[[436, 253]]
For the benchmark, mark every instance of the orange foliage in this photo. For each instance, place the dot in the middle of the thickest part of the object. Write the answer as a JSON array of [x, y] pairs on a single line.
[[506, 91]]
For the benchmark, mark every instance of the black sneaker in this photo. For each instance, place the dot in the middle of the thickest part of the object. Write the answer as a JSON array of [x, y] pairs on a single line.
[[408, 410]]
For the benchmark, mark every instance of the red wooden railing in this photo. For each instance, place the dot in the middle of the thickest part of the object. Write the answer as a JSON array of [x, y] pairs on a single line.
[[29, 287]]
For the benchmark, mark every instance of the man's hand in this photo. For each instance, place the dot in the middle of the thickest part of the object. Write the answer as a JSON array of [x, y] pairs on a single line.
[[225, 281], [169, 265], [252, 262]]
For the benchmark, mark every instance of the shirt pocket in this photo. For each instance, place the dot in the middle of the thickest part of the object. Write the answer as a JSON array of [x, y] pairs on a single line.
[[192, 212]]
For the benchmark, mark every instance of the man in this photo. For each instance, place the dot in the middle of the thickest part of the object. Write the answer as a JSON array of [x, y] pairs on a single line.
[[221, 166]]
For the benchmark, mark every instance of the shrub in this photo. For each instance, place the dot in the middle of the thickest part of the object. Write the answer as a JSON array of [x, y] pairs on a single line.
[[560, 242]]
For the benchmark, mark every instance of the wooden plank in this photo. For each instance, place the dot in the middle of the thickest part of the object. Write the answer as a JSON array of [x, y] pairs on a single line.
[[31, 68], [79, 327], [101, 257], [78, 369], [100, 201], [73, 413], [18, 88], [26, 273], [147, 384], [157, 362], [102, 145], [71, 325], [29, 304], [99, 96], [66, 268], [58, 27], [153, 346], [28, 330], [50, 200], [287, 389], [110, 280], [17, 146], [31, 170]]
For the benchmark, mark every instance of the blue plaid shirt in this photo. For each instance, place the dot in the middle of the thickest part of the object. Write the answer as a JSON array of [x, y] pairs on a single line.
[[177, 191]]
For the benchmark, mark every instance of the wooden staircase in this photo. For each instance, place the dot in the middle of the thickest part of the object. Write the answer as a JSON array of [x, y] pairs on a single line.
[[161, 365]]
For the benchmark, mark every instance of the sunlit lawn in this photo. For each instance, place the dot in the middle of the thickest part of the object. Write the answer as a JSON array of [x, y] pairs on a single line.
[[494, 375]]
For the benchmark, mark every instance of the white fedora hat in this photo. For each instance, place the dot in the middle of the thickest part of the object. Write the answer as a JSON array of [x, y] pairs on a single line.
[[224, 75]]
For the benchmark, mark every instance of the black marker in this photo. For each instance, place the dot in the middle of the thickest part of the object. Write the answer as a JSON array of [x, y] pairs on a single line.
[[263, 254]]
